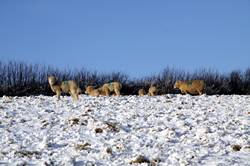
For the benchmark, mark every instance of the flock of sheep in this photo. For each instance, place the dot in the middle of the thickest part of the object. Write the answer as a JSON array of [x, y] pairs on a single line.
[[71, 87]]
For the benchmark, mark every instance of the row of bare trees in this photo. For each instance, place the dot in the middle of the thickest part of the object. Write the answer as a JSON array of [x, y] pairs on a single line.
[[19, 79]]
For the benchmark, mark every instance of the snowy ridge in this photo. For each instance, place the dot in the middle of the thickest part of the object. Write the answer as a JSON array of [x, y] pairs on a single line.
[[166, 130]]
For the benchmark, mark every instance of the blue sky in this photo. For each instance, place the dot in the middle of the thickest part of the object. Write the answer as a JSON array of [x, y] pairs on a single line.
[[138, 37]]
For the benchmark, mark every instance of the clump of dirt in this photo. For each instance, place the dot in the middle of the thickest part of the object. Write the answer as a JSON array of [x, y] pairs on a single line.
[[98, 130], [109, 150], [112, 126], [142, 159], [236, 147], [74, 121], [44, 124], [84, 146], [25, 153]]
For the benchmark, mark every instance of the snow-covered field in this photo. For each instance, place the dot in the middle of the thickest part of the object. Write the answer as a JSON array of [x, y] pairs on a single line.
[[161, 130]]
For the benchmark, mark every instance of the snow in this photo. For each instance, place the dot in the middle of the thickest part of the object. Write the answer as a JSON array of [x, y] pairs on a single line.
[[167, 130]]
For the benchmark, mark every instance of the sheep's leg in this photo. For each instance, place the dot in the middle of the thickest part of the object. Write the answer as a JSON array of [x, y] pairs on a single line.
[[107, 92], [72, 93], [200, 93], [117, 92], [184, 92], [75, 96], [58, 94]]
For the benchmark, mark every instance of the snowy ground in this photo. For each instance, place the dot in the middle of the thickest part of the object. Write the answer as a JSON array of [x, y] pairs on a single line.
[[163, 130]]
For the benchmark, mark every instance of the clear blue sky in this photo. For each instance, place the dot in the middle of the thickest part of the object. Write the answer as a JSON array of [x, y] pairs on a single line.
[[138, 37]]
